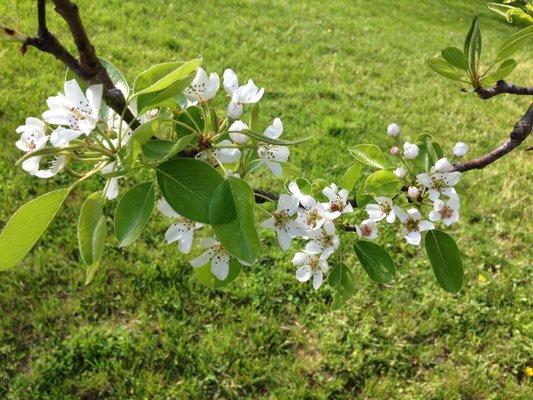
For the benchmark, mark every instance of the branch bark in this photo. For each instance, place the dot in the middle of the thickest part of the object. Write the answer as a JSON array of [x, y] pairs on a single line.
[[88, 67], [503, 87], [520, 132]]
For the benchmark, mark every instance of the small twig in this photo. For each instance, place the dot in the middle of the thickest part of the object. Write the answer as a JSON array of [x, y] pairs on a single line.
[[503, 87]]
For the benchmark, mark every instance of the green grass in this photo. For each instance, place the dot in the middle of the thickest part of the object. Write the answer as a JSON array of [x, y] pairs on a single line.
[[340, 71]]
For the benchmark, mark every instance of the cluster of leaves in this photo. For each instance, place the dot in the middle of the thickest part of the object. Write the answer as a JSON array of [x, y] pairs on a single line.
[[520, 11], [465, 65]]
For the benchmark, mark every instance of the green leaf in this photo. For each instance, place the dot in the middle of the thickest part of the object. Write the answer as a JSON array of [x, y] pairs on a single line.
[[206, 277], [441, 67], [376, 261], [468, 38], [133, 212], [190, 121], [514, 42], [188, 185], [361, 198], [445, 259], [369, 154], [92, 230], [262, 138], [149, 100], [455, 57], [139, 137], [162, 150], [352, 176], [342, 279], [27, 225], [382, 183], [474, 49], [231, 213], [254, 117], [162, 76], [503, 70]]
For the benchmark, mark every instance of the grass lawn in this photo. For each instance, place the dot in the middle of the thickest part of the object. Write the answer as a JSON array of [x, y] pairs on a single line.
[[340, 71]]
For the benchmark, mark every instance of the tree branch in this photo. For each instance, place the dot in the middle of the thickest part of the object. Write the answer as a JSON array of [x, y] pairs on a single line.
[[503, 87], [88, 67], [520, 132]]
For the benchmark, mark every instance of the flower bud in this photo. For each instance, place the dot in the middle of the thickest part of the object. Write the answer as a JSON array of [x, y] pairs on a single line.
[[393, 130], [413, 192], [442, 165], [400, 172], [394, 150], [410, 150], [460, 149]]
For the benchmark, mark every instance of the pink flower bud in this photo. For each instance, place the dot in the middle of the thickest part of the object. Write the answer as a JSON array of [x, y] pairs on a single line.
[[395, 150]]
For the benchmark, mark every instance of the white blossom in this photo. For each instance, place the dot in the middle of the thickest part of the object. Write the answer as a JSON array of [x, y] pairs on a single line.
[[442, 165], [273, 155], [240, 95], [32, 138], [231, 81], [323, 241], [305, 200], [217, 254], [410, 150], [338, 201], [311, 265], [400, 172], [393, 130], [202, 87], [445, 211], [413, 225], [234, 132], [74, 110], [181, 231], [286, 228], [217, 156], [384, 209], [413, 192], [439, 183], [368, 229], [311, 217], [460, 149]]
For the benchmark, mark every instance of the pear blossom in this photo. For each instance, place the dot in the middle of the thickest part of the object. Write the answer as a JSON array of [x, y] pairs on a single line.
[[55, 165], [442, 165], [410, 150], [393, 130], [445, 211], [311, 217], [439, 183], [216, 157], [272, 155], [460, 149], [384, 209], [74, 110], [181, 231], [413, 225], [311, 265], [111, 188], [323, 241], [240, 95], [413, 192], [32, 138], [368, 229], [338, 201], [217, 254], [202, 87], [234, 132], [285, 227], [400, 172], [305, 200]]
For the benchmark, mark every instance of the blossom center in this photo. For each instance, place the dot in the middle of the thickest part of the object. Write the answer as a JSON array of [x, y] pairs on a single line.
[[446, 212], [411, 225], [312, 218], [366, 230], [281, 219], [336, 206]]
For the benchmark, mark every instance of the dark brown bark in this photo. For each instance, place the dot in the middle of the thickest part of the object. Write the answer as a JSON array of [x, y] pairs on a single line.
[[503, 87]]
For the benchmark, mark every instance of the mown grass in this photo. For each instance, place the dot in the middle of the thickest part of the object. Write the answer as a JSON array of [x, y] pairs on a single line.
[[340, 71]]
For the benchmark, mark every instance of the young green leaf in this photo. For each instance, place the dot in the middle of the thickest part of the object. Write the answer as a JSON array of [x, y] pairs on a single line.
[[514, 42], [262, 138], [441, 67], [445, 259], [474, 51], [161, 76], [163, 150], [190, 121], [361, 198], [382, 183], [188, 185], [91, 230], [503, 70], [352, 176], [342, 280], [149, 100], [133, 212], [231, 213], [369, 154], [27, 225], [376, 261], [455, 57]]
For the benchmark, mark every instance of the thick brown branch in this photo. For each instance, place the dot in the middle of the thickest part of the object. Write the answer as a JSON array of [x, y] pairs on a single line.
[[503, 87], [521, 131]]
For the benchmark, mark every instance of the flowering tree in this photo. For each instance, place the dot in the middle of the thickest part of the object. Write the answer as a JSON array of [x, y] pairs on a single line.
[[200, 159]]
